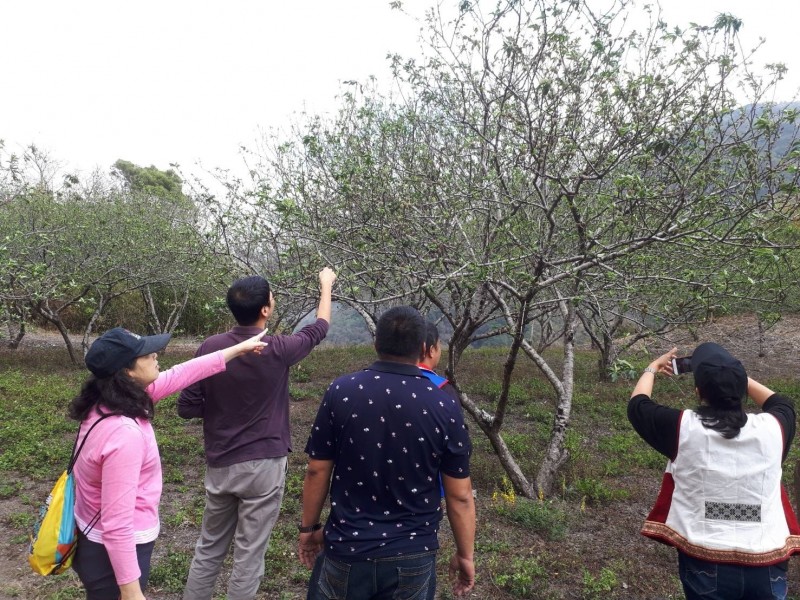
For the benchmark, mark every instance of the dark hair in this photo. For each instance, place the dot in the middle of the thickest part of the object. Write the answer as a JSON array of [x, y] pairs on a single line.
[[246, 297], [116, 395], [431, 335], [400, 332], [726, 417]]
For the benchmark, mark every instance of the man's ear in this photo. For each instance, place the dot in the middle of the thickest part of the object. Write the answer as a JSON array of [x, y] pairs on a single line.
[[266, 311]]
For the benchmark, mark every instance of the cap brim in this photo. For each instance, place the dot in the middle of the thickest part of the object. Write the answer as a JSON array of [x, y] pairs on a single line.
[[154, 343]]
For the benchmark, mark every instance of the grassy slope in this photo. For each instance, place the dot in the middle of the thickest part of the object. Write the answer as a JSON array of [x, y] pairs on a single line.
[[582, 544]]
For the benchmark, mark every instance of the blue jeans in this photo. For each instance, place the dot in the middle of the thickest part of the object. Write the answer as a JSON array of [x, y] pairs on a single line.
[[407, 577], [704, 580]]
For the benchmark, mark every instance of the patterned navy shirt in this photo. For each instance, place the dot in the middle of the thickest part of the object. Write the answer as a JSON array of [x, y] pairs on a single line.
[[389, 431]]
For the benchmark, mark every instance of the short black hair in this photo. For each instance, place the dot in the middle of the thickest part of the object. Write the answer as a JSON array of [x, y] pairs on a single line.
[[246, 297], [431, 335], [400, 332]]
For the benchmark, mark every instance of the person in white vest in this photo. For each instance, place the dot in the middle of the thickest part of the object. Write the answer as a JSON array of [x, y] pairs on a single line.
[[721, 504]]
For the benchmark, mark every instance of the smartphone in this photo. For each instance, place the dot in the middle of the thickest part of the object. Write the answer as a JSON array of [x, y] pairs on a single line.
[[681, 365]]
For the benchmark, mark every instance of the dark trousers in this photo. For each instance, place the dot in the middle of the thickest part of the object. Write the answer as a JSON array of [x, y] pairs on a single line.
[[406, 577], [704, 580], [94, 569]]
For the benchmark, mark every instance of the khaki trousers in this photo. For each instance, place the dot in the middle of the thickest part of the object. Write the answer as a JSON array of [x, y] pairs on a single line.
[[242, 504]]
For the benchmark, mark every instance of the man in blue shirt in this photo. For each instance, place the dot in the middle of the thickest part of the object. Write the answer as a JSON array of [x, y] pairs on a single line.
[[429, 359], [379, 441]]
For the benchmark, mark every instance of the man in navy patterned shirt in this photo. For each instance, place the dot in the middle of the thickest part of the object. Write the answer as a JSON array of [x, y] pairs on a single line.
[[379, 441]]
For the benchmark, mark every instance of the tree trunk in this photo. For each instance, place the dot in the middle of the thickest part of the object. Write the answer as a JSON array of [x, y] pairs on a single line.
[[15, 337], [54, 318], [607, 357], [101, 305], [522, 485], [556, 454], [486, 422], [153, 322], [369, 320]]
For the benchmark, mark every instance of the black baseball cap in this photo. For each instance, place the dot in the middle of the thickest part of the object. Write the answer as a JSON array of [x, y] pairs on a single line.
[[117, 347], [719, 376]]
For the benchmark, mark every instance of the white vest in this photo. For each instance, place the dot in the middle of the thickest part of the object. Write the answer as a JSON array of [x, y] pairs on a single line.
[[722, 500]]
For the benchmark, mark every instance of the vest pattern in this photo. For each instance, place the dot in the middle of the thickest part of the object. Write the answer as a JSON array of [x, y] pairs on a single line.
[[722, 500]]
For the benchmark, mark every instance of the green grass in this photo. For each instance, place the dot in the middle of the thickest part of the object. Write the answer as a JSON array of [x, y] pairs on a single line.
[[546, 518], [524, 577], [169, 572], [552, 549], [35, 435]]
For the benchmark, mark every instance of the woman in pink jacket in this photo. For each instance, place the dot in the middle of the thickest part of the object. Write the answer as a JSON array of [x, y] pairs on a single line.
[[118, 473]]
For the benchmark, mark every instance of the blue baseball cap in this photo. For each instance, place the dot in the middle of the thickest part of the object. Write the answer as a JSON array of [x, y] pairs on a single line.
[[118, 347]]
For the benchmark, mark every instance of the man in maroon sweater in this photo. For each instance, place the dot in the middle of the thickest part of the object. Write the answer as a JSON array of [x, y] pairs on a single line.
[[245, 413]]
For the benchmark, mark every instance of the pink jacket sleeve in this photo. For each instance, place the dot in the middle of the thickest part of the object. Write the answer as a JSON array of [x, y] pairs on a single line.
[[185, 374], [122, 456]]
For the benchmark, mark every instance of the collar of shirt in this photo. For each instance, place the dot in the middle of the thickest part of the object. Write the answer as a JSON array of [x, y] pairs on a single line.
[[386, 366], [246, 329]]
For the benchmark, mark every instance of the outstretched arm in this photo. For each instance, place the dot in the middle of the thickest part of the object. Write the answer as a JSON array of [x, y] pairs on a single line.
[[254, 344]]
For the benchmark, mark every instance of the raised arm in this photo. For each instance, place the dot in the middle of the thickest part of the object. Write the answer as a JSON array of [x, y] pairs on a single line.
[[758, 392], [326, 279], [663, 364]]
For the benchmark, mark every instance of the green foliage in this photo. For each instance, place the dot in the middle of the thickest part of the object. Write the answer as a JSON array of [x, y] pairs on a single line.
[[9, 489], [21, 520], [300, 374], [35, 435], [523, 578], [595, 491], [600, 586], [491, 390], [630, 445], [149, 180], [622, 369], [544, 517], [519, 444], [170, 570]]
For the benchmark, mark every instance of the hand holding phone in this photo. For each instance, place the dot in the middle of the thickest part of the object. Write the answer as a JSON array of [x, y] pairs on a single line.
[[681, 365]]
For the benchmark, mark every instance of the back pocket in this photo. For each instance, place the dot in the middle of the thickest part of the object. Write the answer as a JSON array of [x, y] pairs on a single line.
[[698, 575], [333, 579], [413, 582]]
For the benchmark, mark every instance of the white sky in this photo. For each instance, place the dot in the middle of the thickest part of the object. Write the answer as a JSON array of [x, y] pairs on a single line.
[[184, 81]]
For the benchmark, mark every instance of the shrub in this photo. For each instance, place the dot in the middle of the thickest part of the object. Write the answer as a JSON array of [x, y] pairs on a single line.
[[525, 578], [595, 491], [622, 370], [599, 587], [543, 517]]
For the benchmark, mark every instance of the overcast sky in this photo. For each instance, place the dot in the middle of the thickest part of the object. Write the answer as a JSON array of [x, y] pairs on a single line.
[[183, 81]]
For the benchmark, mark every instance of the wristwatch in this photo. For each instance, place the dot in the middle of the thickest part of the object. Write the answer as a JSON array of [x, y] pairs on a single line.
[[650, 370], [309, 528]]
